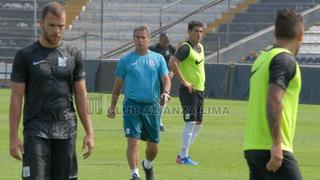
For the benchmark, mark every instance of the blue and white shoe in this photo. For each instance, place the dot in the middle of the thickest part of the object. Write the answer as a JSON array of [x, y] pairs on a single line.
[[135, 177], [186, 161]]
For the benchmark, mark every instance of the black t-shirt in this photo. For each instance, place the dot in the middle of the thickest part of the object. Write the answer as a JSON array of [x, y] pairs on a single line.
[[184, 50], [49, 74], [166, 52], [282, 69]]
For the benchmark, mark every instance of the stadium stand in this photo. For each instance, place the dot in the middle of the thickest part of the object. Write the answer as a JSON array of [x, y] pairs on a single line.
[[257, 17], [309, 51], [311, 43], [311, 46], [17, 27], [73, 9], [17, 31], [121, 16]]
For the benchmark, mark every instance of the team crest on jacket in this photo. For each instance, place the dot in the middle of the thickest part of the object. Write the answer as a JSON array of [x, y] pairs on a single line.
[[62, 61], [152, 63]]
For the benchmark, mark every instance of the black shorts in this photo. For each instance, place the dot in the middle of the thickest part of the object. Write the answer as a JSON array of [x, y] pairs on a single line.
[[49, 159], [257, 160], [192, 104]]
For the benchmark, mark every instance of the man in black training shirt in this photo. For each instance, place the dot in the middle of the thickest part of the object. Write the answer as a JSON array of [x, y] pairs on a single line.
[[166, 49], [47, 75]]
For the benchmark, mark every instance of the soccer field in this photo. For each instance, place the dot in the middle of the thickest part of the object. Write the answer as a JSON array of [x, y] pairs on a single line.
[[218, 148]]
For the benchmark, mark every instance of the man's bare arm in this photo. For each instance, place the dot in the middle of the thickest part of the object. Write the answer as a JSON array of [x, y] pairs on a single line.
[[81, 99], [274, 110], [166, 83], [17, 94], [174, 66], [166, 87], [117, 86]]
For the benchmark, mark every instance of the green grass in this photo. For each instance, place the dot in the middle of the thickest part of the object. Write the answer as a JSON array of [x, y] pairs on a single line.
[[218, 147]]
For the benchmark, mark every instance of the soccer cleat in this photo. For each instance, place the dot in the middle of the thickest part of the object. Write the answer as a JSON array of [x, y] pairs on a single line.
[[149, 172], [186, 161], [162, 128], [135, 177]]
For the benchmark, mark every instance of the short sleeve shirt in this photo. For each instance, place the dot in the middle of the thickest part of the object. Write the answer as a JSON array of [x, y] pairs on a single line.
[[49, 75], [282, 69], [183, 51], [166, 52], [142, 75]]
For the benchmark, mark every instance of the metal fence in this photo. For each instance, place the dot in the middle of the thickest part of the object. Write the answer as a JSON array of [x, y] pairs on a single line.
[[5, 71]]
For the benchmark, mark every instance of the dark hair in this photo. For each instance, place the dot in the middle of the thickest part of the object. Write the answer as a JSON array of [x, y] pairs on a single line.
[[193, 24], [141, 28], [288, 24], [53, 7], [163, 34]]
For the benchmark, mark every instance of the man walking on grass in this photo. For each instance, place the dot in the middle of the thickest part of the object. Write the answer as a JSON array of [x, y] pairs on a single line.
[[141, 72]]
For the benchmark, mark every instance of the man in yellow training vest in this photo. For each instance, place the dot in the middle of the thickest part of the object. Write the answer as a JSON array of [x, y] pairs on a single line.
[[188, 66], [275, 85]]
